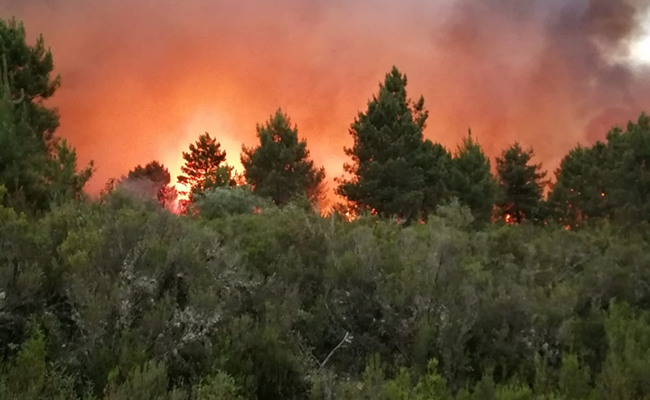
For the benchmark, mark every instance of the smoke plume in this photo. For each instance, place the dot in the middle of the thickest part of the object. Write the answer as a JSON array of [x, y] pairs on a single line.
[[141, 80]]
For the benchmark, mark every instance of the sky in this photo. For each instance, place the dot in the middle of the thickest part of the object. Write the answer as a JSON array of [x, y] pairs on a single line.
[[640, 48], [143, 79]]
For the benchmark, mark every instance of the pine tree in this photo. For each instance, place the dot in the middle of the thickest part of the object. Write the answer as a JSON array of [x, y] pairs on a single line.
[[392, 168], [581, 181], [279, 168], [29, 69], [203, 163], [34, 177], [436, 163], [521, 185], [20, 155], [224, 176], [628, 177], [472, 181], [608, 180], [64, 181]]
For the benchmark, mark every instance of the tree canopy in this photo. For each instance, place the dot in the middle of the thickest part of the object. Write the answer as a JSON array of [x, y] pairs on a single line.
[[205, 166], [387, 171], [29, 72], [36, 170], [607, 180], [521, 185], [280, 168], [471, 179], [151, 181]]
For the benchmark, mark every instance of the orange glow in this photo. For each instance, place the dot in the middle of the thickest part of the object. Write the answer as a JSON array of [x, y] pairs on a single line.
[[177, 207], [508, 219], [602, 194], [141, 80]]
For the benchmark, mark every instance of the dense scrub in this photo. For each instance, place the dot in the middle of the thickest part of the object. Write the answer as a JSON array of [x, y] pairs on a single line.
[[448, 283], [124, 300]]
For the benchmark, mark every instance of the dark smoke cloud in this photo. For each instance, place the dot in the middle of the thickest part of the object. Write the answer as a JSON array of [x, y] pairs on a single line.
[[542, 72], [141, 80]]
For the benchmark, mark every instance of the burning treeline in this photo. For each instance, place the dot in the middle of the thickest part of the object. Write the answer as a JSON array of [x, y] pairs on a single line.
[[567, 75], [549, 74], [395, 173], [251, 294]]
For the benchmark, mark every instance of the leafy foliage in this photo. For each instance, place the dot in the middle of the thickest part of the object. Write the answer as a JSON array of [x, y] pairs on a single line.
[[139, 303], [221, 202], [121, 299]]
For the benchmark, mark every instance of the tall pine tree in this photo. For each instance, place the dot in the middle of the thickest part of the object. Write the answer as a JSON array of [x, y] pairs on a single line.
[[279, 168], [35, 176], [29, 69], [205, 166], [471, 180], [391, 165], [521, 185]]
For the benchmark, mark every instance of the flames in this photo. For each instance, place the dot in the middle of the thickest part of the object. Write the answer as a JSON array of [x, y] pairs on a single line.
[[181, 73]]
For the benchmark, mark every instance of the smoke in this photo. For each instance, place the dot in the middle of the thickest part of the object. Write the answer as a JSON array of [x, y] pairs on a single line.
[[141, 80]]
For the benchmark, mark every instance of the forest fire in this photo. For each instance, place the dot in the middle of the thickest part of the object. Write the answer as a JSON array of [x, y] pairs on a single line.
[[463, 266], [182, 69]]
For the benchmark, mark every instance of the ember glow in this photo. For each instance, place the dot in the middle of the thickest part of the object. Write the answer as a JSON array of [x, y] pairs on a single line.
[[142, 79]]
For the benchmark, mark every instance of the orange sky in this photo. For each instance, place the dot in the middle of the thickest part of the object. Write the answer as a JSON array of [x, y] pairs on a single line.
[[142, 79]]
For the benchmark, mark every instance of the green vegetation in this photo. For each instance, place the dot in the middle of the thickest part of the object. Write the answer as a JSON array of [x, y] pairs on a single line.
[[390, 160], [521, 185], [251, 295], [151, 181], [205, 167], [279, 168], [36, 169], [471, 180]]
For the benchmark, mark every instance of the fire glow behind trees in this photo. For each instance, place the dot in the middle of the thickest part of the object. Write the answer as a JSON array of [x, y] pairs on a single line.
[[141, 80]]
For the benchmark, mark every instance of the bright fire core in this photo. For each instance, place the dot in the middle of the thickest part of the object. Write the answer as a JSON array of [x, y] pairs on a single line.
[[142, 80]]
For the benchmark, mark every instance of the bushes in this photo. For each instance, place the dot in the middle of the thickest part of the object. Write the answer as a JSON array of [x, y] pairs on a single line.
[[134, 301], [221, 202], [29, 376]]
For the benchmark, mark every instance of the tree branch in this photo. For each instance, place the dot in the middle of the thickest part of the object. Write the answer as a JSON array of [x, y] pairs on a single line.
[[346, 339]]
